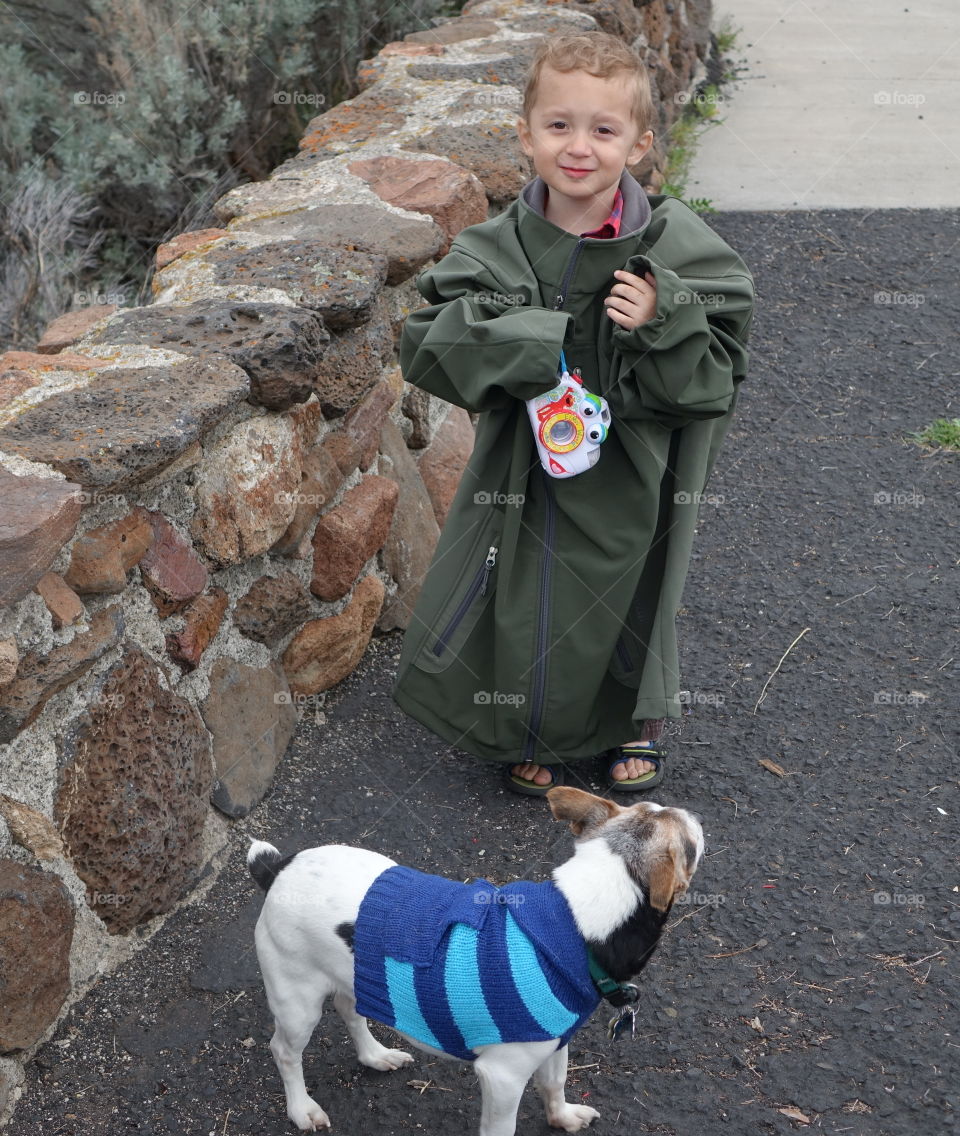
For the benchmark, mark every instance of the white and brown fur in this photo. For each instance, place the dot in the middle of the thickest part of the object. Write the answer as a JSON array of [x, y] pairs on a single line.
[[629, 866]]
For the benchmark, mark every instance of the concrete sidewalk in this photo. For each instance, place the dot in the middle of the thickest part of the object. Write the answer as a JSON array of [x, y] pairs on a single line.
[[838, 105]]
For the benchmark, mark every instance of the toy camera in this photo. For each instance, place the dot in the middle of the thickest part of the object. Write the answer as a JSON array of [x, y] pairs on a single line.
[[569, 424]]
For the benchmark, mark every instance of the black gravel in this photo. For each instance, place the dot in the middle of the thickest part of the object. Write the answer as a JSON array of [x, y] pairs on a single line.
[[815, 969]]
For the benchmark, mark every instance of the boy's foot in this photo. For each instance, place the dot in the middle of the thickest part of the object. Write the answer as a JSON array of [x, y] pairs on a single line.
[[532, 780], [629, 758]]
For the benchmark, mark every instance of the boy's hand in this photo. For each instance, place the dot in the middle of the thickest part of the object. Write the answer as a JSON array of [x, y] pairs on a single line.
[[632, 300]]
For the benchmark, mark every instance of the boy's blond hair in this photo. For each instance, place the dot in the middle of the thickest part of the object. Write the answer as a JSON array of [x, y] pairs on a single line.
[[599, 54]]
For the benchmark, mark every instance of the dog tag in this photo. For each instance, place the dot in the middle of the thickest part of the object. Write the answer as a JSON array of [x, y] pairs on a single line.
[[627, 1018]]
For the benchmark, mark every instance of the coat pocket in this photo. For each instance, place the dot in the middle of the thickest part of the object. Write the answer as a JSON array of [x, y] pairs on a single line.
[[625, 660], [464, 606]]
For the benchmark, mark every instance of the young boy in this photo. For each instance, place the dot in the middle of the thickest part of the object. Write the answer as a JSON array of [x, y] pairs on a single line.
[[544, 632]]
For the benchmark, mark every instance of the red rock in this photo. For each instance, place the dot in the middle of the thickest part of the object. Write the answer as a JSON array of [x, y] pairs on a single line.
[[345, 451], [38, 518], [14, 383], [442, 463], [171, 571], [202, 622], [186, 242], [272, 608], [71, 326], [36, 931], [62, 601], [33, 361], [449, 194], [101, 558], [325, 651], [346, 537], [322, 479], [364, 423]]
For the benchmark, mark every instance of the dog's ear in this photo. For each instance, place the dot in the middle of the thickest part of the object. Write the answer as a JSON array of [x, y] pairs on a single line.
[[583, 810], [664, 882]]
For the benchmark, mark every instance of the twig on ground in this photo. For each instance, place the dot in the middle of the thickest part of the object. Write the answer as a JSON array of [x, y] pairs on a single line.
[[778, 666]]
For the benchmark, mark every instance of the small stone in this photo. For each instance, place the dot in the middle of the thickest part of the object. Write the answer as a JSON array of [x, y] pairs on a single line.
[[31, 829], [354, 361], [36, 931], [68, 328], [251, 718], [63, 603], [9, 660], [272, 608], [365, 421], [202, 621], [42, 675], [101, 558], [171, 571], [186, 242], [346, 537], [321, 482], [39, 517], [325, 651]]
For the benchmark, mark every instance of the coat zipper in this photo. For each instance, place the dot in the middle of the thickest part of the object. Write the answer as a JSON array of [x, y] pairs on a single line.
[[477, 585], [565, 283]]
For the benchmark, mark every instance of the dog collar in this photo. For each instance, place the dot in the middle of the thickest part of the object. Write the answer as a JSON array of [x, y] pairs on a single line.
[[616, 993]]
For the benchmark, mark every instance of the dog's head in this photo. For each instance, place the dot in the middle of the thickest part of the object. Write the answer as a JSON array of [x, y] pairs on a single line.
[[660, 847]]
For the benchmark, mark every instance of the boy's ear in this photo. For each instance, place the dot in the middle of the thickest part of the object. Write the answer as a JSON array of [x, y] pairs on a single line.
[[640, 147], [523, 133]]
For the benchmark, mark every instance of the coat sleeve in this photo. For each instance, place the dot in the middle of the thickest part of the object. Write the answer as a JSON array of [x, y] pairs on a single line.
[[686, 362], [480, 343]]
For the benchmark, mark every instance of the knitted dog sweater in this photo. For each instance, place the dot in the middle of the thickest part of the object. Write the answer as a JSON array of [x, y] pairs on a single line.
[[461, 965]]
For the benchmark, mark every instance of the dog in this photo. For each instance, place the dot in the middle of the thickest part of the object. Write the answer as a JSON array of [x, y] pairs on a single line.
[[499, 976]]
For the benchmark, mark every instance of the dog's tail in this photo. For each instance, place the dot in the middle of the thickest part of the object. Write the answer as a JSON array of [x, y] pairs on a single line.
[[265, 863]]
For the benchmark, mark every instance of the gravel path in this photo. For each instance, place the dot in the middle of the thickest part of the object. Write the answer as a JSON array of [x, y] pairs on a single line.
[[812, 981]]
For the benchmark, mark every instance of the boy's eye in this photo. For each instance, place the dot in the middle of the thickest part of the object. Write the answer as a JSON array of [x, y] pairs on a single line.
[[558, 125]]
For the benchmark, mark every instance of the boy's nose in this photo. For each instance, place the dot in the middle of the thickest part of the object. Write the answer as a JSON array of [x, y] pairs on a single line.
[[578, 144]]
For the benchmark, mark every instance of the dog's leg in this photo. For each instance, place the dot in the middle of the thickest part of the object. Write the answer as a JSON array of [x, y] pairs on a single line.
[[503, 1072], [295, 1018], [549, 1080], [369, 1050]]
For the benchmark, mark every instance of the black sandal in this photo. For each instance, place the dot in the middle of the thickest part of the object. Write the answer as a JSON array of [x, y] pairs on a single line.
[[530, 788], [645, 781]]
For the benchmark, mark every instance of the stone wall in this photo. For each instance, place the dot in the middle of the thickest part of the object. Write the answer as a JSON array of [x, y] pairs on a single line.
[[210, 503]]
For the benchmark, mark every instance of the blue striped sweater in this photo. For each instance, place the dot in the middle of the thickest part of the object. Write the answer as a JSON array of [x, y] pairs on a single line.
[[456, 966]]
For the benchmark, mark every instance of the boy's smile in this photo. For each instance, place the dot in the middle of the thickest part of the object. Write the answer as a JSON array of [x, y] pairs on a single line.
[[581, 135]]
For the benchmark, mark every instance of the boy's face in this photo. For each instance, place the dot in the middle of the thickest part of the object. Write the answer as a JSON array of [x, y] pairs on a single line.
[[581, 135]]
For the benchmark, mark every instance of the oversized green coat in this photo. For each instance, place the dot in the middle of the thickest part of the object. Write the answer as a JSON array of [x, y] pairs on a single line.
[[545, 630]]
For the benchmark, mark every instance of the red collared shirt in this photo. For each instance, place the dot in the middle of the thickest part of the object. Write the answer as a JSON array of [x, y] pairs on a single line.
[[610, 227]]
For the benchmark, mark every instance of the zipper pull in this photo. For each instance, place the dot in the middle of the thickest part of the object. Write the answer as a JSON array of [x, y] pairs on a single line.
[[558, 303], [488, 566]]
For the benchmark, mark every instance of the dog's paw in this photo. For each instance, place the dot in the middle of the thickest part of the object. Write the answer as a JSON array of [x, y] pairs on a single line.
[[309, 1119], [386, 1060], [573, 1117]]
